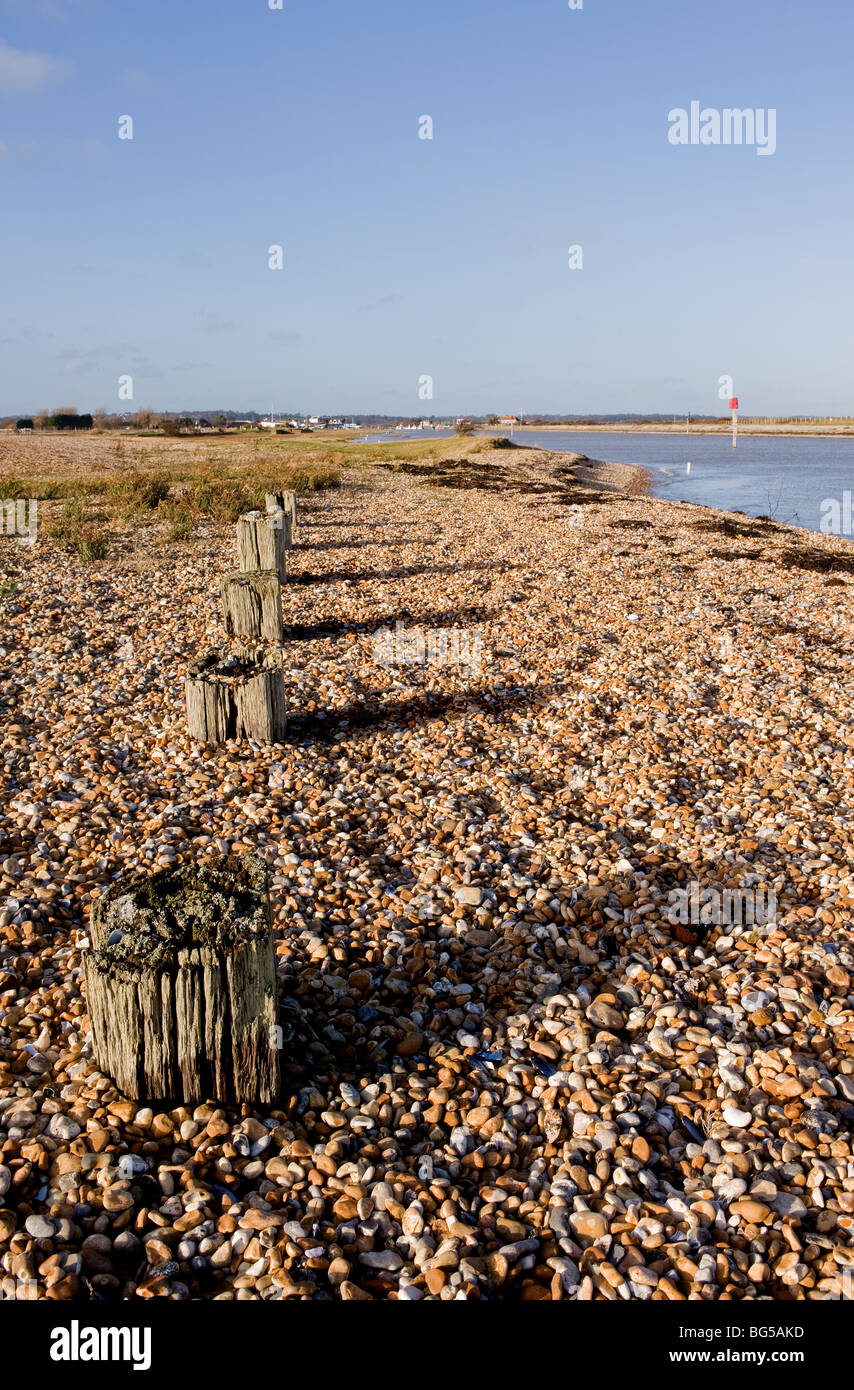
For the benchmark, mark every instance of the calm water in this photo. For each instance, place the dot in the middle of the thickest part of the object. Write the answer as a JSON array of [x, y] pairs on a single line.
[[784, 478], [401, 436]]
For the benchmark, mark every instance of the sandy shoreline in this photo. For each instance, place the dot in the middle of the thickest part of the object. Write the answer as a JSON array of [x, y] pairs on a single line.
[[630, 478]]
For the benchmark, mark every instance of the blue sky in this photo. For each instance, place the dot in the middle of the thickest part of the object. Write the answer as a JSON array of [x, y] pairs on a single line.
[[406, 258]]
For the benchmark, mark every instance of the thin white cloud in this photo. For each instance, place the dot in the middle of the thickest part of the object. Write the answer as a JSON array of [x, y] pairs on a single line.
[[21, 71]]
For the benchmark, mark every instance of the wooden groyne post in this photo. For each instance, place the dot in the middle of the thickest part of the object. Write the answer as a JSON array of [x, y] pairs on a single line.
[[237, 695], [181, 984], [262, 542], [285, 501], [252, 605]]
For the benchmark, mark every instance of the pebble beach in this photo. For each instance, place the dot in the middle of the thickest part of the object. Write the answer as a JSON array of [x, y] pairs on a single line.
[[509, 1075]]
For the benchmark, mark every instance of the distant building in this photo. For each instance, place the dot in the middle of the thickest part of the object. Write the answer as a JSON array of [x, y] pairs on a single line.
[[508, 420]]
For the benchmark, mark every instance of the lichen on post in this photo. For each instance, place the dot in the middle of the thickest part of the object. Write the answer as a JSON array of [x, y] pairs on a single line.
[[181, 984], [237, 695]]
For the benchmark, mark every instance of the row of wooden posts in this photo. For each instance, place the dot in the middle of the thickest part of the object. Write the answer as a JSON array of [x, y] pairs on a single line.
[[240, 692], [181, 970]]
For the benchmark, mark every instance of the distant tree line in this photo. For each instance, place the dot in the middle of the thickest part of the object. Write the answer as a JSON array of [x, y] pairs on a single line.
[[69, 420]]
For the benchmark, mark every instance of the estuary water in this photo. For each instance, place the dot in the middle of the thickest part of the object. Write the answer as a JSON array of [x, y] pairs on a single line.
[[784, 477]]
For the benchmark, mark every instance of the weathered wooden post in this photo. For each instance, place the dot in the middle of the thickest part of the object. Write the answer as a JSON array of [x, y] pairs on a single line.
[[286, 502], [252, 605], [181, 984], [277, 505], [237, 695], [261, 542], [282, 518]]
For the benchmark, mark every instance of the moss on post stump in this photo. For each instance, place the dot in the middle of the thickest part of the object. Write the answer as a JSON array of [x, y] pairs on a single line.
[[238, 695], [262, 542], [181, 984], [252, 605]]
